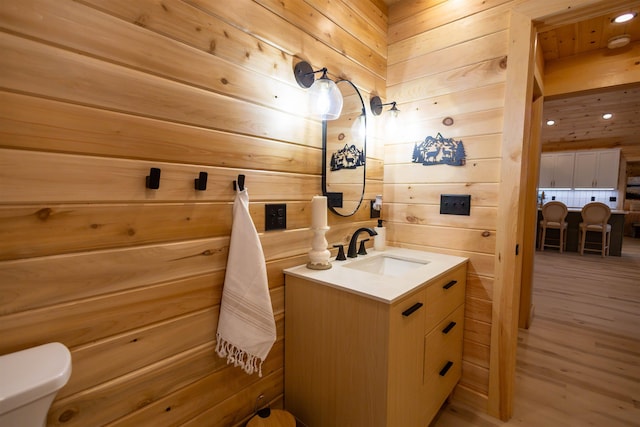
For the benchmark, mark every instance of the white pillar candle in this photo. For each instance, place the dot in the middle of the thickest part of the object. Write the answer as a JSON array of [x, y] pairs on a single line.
[[319, 254], [318, 212]]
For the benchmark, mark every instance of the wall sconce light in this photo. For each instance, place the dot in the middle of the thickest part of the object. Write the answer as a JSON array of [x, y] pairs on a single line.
[[376, 107], [326, 98]]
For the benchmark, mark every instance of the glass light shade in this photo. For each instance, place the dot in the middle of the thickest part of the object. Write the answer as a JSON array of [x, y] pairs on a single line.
[[391, 122], [358, 129], [326, 99]]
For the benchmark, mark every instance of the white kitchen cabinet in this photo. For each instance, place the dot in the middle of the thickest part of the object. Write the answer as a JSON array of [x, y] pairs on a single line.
[[351, 360], [596, 169], [556, 170]]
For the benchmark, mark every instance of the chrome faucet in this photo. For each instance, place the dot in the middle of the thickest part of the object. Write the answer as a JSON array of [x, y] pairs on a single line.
[[352, 252]]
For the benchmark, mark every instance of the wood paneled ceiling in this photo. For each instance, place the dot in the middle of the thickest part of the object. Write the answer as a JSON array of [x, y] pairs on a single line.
[[579, 122], [586, 35]]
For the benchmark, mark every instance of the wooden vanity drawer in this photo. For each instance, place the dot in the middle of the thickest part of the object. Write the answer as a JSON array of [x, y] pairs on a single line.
[[439, 388], [443, 345], [443, 360], [444, 296]]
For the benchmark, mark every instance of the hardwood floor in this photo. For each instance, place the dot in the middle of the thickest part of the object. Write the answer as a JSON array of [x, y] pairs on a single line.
[[579, 363]]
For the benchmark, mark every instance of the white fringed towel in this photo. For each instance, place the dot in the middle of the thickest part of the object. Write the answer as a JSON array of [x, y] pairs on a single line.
[[246, 327]]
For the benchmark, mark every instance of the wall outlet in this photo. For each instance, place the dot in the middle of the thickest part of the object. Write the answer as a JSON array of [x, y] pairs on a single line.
[[455, 204], [275, 216], [334, 200]]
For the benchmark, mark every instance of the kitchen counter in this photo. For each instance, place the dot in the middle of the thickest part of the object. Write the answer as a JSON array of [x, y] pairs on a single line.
[[574, 218], [613, 211]]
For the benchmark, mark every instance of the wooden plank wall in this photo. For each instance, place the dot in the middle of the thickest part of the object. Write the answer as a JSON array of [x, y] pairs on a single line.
[[93, 94], [450, 61]]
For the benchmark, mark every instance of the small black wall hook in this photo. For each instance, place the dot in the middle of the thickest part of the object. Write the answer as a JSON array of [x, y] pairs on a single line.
[[239, 183], [153, 179], [201, 181]]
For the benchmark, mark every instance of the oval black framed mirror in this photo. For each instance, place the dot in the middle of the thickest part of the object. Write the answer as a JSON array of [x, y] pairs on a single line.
[[344, 151]]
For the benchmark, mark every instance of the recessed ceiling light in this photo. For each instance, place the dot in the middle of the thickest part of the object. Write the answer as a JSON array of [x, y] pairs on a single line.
[[607, 116], [551, 122], [625, 17], [618, 41]]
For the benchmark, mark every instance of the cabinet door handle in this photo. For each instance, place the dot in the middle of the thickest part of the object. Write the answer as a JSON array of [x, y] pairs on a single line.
[[409, 311], [446, 368], [450, 284], [449, 327]]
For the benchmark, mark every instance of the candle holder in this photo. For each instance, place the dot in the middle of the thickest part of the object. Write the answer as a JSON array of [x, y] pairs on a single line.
[[319, 254]]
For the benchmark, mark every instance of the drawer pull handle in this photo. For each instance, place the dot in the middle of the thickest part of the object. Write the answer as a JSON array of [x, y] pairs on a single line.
[[446, 368], [448, 327], [450, 284], [409, 311]]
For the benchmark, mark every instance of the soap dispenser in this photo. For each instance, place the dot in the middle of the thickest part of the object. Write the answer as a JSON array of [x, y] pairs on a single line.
[[380, 238]]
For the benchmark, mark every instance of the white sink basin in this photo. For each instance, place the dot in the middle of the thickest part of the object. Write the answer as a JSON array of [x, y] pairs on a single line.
[[386, 265]]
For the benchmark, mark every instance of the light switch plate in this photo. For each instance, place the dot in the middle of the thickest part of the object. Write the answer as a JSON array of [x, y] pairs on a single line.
[[455, 204], [275, 216]]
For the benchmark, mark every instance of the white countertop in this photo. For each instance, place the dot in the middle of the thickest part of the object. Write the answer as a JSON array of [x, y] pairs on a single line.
[[383, 288]]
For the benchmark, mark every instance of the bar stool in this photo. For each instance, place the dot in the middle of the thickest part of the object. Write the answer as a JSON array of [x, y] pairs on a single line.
[[553, 216], [595, 217]]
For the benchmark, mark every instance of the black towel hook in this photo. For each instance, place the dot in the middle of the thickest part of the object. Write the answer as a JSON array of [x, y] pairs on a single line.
[[240, 183], [153, 179], [201, 181]]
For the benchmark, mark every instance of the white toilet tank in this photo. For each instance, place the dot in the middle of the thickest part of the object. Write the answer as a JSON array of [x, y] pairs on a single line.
[[29, 381]]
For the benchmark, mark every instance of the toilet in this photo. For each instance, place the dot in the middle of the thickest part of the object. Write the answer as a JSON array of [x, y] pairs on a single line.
[[29, 381]]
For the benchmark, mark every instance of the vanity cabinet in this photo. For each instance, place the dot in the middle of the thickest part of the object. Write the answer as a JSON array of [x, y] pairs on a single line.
[[596, 169], [353, 360], [556, 170]]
